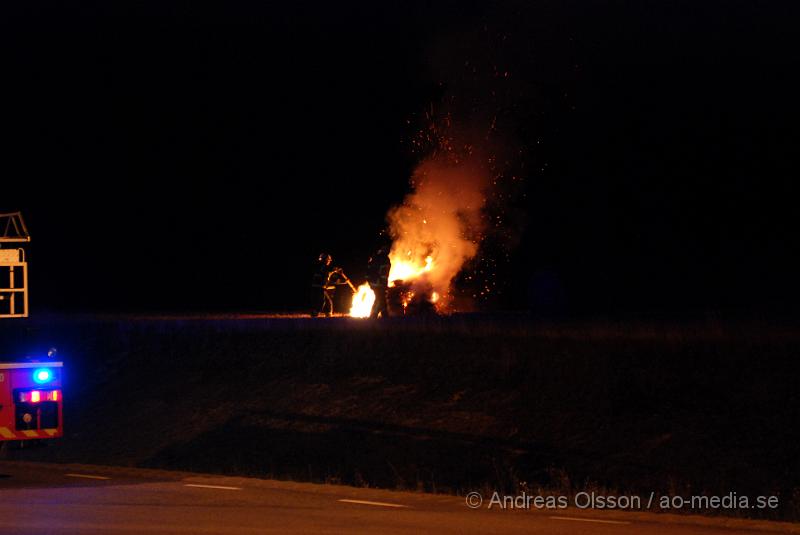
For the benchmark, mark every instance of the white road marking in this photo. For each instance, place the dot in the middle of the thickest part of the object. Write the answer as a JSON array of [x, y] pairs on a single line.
[[379, 504], [219, 487], [87, 476], [575, 519]]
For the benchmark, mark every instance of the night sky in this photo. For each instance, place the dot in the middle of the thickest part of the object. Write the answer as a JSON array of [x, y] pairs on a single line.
[[197, 157]]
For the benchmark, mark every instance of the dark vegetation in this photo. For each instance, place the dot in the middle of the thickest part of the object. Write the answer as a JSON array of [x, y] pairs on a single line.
[[441, 404]]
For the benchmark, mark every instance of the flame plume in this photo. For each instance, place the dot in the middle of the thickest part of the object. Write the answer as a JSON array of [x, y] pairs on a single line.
[[438, 227]]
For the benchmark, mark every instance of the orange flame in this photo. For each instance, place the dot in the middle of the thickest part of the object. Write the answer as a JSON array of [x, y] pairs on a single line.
[[362, 302], [405, 268]]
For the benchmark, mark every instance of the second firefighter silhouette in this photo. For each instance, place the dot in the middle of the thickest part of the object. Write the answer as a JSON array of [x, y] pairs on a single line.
[[323, 285], [378, 278]]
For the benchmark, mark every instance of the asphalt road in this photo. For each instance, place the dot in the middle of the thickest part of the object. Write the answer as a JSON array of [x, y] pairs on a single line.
[[66, 499]]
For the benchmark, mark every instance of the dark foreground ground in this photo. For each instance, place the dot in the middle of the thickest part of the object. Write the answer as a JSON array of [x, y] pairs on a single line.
[[442, 404]]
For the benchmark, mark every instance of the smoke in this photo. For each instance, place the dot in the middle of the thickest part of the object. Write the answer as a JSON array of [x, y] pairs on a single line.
[[455, 231], [440, 224]]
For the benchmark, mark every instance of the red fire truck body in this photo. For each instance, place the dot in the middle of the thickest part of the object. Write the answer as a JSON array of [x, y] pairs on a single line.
[[31, 400]]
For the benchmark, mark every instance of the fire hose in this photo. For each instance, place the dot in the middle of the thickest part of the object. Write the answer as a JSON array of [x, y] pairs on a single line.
[[346, 280], [350, 284]]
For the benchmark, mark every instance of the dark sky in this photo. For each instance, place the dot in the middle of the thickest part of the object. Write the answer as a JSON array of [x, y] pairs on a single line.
[[191, 156]]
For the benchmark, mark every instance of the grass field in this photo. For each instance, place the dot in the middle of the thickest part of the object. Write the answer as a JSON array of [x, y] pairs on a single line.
[[445, 404]]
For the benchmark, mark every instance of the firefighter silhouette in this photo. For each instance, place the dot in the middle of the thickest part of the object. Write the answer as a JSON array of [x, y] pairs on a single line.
[[323, 285], [320, 299], [378, 278]]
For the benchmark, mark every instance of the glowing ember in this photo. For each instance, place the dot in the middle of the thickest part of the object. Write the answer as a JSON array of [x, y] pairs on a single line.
[[407, 299], [362, 302]]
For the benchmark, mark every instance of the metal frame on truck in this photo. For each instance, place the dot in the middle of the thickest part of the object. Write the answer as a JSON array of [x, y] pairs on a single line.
[[31, 396]]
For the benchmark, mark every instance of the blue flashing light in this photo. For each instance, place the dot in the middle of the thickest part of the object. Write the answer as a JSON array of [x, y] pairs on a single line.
[[42, 376]]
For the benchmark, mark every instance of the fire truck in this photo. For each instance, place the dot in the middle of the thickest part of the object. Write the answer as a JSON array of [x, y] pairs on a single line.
[[30, 388]]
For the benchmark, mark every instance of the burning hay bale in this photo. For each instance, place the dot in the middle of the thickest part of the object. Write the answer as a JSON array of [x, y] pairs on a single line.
[[412, 298], [439, 227], [435, 232]]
